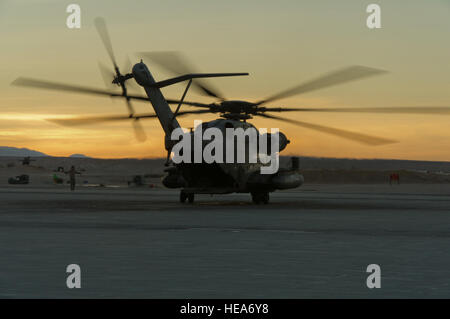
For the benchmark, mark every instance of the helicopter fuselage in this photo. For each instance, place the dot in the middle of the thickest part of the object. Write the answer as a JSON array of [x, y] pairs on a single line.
[[215, 178], [228, 177]]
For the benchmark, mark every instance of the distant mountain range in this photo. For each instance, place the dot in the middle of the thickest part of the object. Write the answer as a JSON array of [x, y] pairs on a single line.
[[79, 156], [23, 152], [19, 152]]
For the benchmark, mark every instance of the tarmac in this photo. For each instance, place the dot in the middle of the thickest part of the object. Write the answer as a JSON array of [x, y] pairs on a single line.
[[314, 242]]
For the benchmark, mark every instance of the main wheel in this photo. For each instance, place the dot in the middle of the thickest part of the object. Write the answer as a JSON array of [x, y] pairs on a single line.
[[183, 197], [256, 197], [190, 197], [265, 198], [260, 197]]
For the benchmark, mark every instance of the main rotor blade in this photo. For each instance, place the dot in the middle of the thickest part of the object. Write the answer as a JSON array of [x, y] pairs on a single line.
[[86, 120], [181, 113], [393, 110], [100, 24], [76, 121], [129, 107], [338, 77], [42, 84], [139, 132], [357, 137], [170, 101], [175, 63]]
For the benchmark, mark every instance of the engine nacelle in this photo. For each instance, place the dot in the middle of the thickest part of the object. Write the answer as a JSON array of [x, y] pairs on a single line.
[[173, 179], [287, 180], [283, 179]]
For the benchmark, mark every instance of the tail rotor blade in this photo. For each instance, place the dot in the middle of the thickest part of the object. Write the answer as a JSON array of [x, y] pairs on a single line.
[[127, 68], [100, 24], [107, 75]]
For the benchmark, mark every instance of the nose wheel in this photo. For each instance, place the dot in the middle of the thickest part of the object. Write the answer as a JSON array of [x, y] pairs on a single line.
[[260, 197], [186, 196]]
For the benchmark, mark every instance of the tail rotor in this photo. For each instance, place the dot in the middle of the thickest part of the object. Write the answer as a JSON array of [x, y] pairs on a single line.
[[116, 77]]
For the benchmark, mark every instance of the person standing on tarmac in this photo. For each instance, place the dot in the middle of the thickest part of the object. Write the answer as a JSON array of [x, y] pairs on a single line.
[[72, 172]]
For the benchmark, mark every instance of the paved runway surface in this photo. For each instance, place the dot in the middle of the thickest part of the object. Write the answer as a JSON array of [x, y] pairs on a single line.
[[314, 242]]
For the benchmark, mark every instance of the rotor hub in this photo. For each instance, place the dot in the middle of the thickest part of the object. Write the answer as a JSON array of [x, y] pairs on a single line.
[[236, 116], [237, 107]]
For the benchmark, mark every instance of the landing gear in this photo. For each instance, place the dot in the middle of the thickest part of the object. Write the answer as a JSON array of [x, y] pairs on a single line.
[[260, 197], [183, 197], [188, 196]]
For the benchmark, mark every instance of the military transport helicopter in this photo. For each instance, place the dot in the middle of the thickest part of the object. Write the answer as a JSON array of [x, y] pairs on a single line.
[[219, 178]]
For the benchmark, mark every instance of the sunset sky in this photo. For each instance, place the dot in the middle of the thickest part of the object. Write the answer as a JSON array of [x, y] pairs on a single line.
[[280, 43]]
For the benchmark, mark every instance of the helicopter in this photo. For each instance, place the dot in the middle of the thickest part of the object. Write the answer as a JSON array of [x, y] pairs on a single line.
[[218, 178]]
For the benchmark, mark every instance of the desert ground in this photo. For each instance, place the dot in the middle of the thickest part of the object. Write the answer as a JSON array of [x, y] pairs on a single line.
[[140, 242]]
